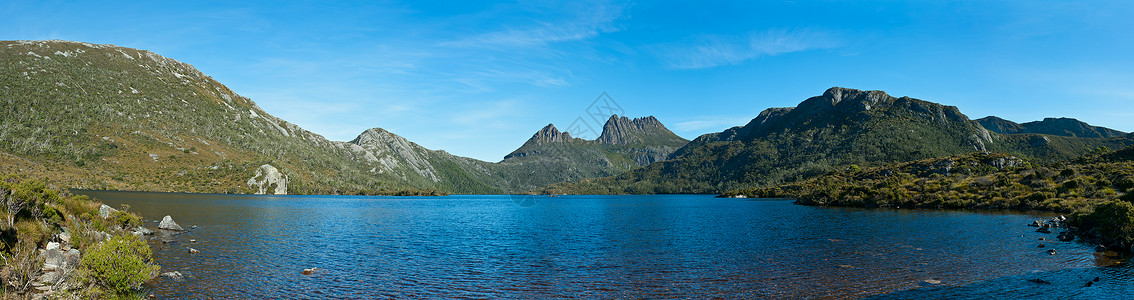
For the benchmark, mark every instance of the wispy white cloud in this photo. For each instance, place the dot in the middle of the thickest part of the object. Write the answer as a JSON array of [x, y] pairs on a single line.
[[713, 50], [705, 124], [584, 22]]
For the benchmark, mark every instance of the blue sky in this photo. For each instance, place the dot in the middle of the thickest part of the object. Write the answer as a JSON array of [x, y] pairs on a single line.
[[478, 78]]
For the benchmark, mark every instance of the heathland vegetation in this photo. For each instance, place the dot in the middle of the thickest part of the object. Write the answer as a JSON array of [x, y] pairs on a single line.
[[1097, 189], [68, 245]]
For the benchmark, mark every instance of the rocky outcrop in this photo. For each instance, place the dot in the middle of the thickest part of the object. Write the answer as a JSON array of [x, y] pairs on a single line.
[[549, 134], [266, 177], [393, 152], [623, 131], [167, 223], [546, 135], [58, 264]]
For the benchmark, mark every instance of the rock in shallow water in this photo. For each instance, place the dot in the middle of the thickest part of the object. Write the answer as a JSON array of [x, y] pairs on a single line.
[[167, 223], [175, 276]]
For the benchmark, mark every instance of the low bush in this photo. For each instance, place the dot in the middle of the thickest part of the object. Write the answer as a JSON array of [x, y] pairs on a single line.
[[1114, 220], [120, 264], [126, 220]]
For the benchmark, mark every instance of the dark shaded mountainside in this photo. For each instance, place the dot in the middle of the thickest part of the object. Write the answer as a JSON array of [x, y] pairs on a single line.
[[1052, 126], [840, 128], [107, 117]]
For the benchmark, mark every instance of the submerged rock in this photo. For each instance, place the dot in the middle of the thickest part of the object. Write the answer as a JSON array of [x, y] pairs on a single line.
[[1040, 281], [175, 276], [1043, 230], [167, 223]]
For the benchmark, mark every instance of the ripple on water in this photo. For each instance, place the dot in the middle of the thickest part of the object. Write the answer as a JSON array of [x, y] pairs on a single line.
[[659, 246]]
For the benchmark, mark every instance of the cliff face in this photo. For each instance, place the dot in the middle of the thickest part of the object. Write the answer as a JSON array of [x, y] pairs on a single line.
[[624, 131]]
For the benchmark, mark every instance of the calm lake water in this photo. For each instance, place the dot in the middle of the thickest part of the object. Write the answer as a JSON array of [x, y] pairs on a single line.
[[657, 246]]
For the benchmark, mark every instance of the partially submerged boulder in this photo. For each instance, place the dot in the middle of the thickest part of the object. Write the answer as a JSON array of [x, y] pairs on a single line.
[[175, 276], [167, 223]]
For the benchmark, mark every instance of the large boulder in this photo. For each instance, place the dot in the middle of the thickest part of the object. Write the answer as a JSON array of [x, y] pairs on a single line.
[[104, 211], [267, 176], [71, 259], [52, 257], [167, 223]]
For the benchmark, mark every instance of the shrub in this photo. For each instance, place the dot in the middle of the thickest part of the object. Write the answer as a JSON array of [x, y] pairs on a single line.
[[20, 266], [1114, 220], [80, 205], [126, 220], [31, 231], [120, 264], [52, 215]]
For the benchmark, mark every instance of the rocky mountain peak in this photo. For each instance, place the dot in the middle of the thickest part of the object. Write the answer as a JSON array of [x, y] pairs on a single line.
[[377, 136], [623, 130], [844, 99], [549, 134]]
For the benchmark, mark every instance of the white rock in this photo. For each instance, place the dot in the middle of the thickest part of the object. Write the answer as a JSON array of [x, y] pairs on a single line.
[[265, 177], [167, 223], [104, 211]]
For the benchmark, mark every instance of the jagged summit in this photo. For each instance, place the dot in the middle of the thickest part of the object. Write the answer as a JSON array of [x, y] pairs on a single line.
[[1052, 126], [640, 141], [549, 134], [845, 99], [624, 131]]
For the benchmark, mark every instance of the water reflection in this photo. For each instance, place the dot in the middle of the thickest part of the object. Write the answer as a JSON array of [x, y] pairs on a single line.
[[588, 246]]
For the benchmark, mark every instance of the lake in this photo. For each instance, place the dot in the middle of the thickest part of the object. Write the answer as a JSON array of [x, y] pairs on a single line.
[[649, 246]]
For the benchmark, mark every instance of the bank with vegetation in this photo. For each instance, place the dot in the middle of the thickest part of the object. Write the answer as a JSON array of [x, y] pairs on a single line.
[[1096, 190], [65, 246]]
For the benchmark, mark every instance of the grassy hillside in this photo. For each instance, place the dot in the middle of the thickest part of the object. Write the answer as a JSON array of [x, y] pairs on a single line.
[[106, 117]]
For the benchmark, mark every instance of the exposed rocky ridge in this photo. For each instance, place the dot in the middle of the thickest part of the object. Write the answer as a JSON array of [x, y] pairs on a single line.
[[1053, 126], [624, 131], [549, 156], [546, 135], [838, 128], [644, 140]]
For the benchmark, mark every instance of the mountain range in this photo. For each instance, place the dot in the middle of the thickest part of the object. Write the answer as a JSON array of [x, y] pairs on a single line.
[[107, 117], [840, 128]]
